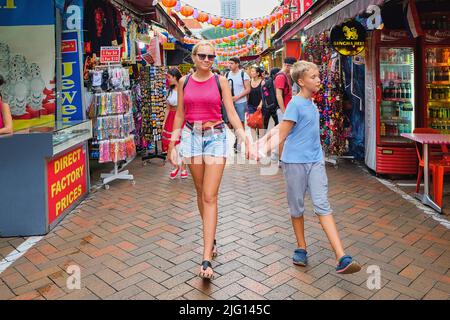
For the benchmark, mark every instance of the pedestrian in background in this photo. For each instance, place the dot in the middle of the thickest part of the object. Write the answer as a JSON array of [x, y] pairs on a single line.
[[255, 96], [240, 88], [173, 75]]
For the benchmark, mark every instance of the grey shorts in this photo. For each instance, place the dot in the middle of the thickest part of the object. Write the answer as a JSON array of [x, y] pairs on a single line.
[[301, 177]]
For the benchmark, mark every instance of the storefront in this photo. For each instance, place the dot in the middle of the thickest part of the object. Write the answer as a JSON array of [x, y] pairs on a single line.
[[78, 98], [45, 168]]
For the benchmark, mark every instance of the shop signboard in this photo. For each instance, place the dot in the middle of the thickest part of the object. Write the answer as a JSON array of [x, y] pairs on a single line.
[[110, 55], [27, 61], [437, 36], [72, 79], [66, 181], [348, 38], [73, 15], [394, 35], [169, 46], [184, 68]]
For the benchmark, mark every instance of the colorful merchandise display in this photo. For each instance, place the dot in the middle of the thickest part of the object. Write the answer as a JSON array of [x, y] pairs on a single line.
[[112, 115], [329, 98], [153, 82]]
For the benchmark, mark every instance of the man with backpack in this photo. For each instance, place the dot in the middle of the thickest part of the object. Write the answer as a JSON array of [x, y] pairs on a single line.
[[240, 87], [283, 87], [283, 84], [269, 97]]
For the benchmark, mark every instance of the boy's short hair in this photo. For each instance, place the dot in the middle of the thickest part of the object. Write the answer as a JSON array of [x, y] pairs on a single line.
[[235, 60], [299, 69]]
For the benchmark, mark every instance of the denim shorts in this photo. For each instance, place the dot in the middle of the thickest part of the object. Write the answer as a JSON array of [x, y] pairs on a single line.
[[241, 109], [197, 142], [302, 177]]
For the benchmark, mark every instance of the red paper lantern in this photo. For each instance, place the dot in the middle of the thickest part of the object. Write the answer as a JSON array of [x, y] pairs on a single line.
[[265, 22], [286, 10], [234, 37], [228, 23], [187, 11], [272, 18], [241, 35], [202, 17], [169, 3], [239, 24], [248, 24], [216, 21], [226, 40], [258, 23], [279, 15], [249, 31]]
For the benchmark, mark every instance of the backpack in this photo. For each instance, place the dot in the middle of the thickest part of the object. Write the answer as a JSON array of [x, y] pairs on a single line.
[[269, 95], [286, 83], [232, 85]]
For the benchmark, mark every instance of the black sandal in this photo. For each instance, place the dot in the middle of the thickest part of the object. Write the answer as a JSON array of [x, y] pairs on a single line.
[[205, 265]]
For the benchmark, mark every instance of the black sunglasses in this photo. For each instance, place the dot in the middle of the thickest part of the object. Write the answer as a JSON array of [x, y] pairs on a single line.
[[203, 56]]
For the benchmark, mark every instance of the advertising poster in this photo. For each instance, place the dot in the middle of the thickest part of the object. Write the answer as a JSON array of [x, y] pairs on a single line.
[[66, 178], [27, 61], [72, 80]]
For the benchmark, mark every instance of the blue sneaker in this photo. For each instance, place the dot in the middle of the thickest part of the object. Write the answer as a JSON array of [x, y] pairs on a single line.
[[300, 258], [347, 265]]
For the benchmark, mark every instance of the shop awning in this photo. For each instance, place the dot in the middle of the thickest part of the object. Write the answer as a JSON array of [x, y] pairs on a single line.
[[347, 9]]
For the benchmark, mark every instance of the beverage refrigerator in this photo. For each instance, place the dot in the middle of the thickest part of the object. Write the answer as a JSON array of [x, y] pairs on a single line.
[[435, 58], [396, 98]]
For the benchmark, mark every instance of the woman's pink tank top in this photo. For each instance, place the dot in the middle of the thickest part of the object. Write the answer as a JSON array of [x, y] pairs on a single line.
[[202, 101]]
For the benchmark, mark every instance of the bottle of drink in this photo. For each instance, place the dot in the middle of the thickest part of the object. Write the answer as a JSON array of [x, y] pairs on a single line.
[[432, 75], [382, 129]]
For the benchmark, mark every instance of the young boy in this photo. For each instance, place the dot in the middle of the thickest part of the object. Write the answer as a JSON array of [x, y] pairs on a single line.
[[303, 165]]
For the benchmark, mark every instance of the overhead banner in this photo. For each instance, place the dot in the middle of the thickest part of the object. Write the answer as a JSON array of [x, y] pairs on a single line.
[[27, 60], [348, 38], [72, 80]]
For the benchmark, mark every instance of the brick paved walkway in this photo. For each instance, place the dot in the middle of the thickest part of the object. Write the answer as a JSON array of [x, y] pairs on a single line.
[[143, 242]]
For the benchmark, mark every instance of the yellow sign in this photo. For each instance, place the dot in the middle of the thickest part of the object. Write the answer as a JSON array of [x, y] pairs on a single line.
[[169, 46], [184, 68]]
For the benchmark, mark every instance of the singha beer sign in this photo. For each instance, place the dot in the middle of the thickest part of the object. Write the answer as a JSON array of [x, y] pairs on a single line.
[[349, 38]]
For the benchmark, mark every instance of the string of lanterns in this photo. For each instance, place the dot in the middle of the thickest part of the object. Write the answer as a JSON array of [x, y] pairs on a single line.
[[234, 53], [204, 17], [228, 39]]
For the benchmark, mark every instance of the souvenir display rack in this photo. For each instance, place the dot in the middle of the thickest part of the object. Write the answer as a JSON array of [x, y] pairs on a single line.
[[153, 107], [111, 111]]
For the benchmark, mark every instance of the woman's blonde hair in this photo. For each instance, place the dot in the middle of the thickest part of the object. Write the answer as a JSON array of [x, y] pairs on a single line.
[[299, 69], [201, 44]]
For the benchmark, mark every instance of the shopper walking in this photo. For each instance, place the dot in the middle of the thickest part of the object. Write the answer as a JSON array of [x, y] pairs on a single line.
[[283, 86], [269, 98], [240, 87], [255, 96], [304, 167], [173, 75], [204, 139]]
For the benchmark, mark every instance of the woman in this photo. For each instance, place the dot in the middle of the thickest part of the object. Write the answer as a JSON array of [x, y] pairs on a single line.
[[6, 125], [173, 75], [255, 96], [204, 139]]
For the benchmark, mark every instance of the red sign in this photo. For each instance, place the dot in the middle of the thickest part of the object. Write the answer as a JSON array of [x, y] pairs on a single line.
[[437, 36], [394, 35], [66, 181], [110, 55], [69, 46]]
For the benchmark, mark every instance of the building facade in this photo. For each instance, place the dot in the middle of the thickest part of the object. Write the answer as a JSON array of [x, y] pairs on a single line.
[[230, 9]]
